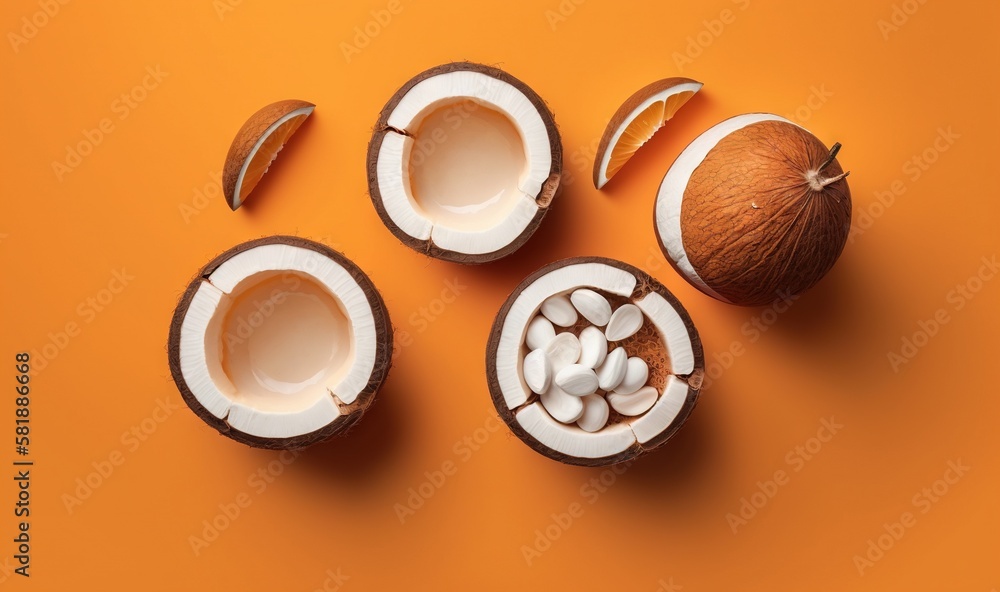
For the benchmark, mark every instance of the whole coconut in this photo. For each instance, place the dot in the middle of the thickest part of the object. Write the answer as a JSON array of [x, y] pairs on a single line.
[[755, 209]]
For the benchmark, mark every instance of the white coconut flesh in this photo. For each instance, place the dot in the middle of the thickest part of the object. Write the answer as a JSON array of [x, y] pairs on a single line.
[[276, 339], [570, 439], [671, 193], [660, 97], [463, 162]]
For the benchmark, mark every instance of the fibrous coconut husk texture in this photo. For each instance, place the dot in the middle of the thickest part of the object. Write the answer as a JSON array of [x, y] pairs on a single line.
[[350, 414]]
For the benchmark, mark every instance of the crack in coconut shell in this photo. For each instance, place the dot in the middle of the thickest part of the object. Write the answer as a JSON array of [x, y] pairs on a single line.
[[350, 413], [543, 200], [644, 343]]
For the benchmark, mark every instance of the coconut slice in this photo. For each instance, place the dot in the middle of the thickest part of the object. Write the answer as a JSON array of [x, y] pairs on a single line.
[[776, 225], [637, 120], [280, 343], [667, 345], [257, 144], [464, 162]]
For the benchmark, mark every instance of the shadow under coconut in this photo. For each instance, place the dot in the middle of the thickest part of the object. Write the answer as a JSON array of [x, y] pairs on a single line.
[[264, 199], [836, 326], [368, 449]]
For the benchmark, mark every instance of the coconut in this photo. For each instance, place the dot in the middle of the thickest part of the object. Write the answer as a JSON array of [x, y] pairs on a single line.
[[665, 347], [280, 343], [464, 162], [754, 209]]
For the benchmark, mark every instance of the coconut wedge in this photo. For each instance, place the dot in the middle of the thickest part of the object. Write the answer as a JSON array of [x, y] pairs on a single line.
[[464, 163], [257, 144], [574, 423], [280, 343], [776, 225], [637, 120]]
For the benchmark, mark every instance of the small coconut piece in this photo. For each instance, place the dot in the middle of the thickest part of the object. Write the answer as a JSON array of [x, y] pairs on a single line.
[[280, 343], [595, 413], [636, 375], [593, 347], [625, 322], [540, 333], [257, 144], [464, 162], [577, 380], [633, 404], [612, 371], [559, 310], [592, 306], [776, 225], [635, 122], [561, 405], [528, 414], [537, 371]]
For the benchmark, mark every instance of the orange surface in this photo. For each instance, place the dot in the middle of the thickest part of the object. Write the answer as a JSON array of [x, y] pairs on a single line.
[[94, 259]]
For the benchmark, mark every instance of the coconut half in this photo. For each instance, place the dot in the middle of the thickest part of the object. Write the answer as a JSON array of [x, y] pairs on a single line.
[[280, 343], [668, 343], [464, 162], [754, 209]]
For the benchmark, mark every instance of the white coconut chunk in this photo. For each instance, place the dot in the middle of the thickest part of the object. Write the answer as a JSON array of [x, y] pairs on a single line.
[[611, 373], [537, 371], [394, 186], [594, 307], [577, 380], [593, 347], [561, 405], [635, 403], [333, 277], [563, 351], [269, 424], [595, 414], [201, 363], [496, 94], [562, 280], [663, 413], [636, 374], [571, 440], [559, 310], [673, 330], [540, 333], [487, 240], [674, 184], [624, 323]]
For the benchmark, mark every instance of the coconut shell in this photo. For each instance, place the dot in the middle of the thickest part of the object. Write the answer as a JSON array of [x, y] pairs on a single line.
[[753, 227], [644, 284], [543, 200], [350, 414], [247, 137]]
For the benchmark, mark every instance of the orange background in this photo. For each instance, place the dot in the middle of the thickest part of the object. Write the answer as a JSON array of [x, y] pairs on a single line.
[[663, 523]]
